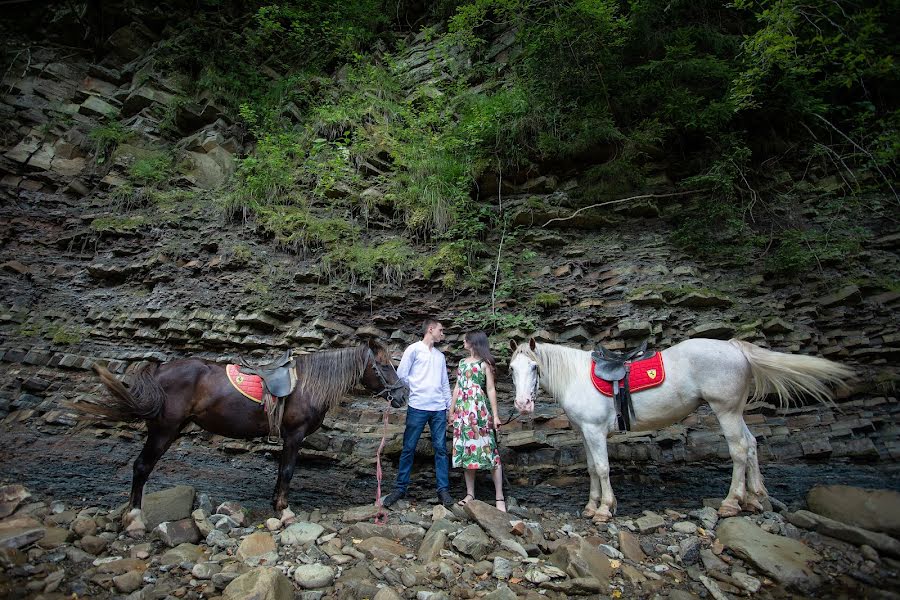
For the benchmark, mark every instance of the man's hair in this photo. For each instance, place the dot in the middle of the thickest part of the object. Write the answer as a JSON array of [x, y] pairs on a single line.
[[428, 323]]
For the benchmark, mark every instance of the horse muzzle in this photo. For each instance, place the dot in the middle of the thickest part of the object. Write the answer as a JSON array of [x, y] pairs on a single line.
[[525, 405]]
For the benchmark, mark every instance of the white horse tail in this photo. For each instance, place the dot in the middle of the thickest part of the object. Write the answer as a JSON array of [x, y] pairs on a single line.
[[790, 375]]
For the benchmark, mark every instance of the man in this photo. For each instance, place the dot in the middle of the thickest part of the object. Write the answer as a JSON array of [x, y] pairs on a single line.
[[424, 369]]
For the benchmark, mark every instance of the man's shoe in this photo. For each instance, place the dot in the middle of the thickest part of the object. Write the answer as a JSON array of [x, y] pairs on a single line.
[[445, 498], [392, 498]]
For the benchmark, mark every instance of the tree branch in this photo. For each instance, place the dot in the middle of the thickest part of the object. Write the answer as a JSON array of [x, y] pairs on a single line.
[[619, 201]]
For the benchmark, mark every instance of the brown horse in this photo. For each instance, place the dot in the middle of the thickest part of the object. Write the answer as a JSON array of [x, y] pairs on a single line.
[[171, 395]]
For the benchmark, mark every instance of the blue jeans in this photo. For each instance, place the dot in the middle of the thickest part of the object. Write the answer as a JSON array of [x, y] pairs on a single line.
[[415, 424]]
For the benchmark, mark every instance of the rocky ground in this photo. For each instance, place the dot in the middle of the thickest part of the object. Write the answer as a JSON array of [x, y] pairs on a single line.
[[195, 546]]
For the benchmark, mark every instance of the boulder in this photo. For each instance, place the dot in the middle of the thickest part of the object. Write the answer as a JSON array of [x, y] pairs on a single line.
[[172, 504], [781, 558], [183, 553], [496, 523], [174, 533], [382, 548], [578, 558], [875, 510], [11, 496], [256, 547], [631, 546], [301, 534], [848, 533], [473, 542], [313, 576], [262, 583]]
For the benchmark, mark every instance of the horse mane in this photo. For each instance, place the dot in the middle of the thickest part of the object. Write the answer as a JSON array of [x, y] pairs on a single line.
[[325, 377], [558, 366]]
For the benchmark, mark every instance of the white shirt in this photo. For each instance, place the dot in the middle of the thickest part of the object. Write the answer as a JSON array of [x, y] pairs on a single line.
[[424, 370]]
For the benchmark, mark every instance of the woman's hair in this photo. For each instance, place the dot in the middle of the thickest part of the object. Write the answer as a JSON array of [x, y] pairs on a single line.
[[479, 342]]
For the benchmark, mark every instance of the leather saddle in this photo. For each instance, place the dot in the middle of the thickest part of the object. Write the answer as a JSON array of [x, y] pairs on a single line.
[[277, 375], [614, 367], [611, 366]]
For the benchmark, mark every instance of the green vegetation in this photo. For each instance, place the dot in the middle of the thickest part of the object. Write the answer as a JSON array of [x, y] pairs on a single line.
[[105, 139], [151, 170], [390, 261], [547, 299], [119, 224]]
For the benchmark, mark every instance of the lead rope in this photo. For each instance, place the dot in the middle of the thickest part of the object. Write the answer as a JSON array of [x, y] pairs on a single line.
[[381, 515]]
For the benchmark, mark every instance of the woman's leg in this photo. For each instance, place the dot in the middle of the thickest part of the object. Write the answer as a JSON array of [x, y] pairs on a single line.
[[497, 476], [469, 475]]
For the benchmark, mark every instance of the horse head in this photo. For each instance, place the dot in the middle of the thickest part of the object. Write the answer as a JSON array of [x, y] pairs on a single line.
[[381, 377], [525, 369]]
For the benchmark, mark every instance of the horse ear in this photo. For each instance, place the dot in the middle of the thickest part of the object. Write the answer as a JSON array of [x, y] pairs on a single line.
[[513, 345], [532, 344]]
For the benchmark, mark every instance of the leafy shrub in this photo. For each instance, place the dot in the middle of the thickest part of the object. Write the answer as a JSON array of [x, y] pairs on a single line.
[[105, 138]]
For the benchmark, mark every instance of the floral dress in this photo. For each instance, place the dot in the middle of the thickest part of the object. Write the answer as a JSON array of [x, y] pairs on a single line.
[[474, 446]]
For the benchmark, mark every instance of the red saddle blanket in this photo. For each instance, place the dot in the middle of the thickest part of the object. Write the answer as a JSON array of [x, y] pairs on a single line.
[[249, 385], [644, 374]]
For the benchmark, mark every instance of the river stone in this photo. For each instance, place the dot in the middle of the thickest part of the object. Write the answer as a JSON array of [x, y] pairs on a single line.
[[689, 550], [630, 546], [10, 498], [387, 593], [93, 544], [234, 510], [356, 514], [174, 533], [496, 523], [685, 527], [399, 532], [577, 558], [875, 510], [751, 584], [836, 529], [128, 582], [649, 523], [301, 534], [431, 546], [706, 515], [257, 547], [172, 504], [262, 583], [206, 570], [56, 536], [117, 566], [382, 548], [501, 593], [473, 541], [84, 526], [18, 537], [183, 553], [313, 576], [781, 558], [502, 568]]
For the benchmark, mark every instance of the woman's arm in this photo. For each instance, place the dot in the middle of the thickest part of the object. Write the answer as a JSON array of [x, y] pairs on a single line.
[[492, 395]]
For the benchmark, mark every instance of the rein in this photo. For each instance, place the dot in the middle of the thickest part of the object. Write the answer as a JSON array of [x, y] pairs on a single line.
[[381, 515]]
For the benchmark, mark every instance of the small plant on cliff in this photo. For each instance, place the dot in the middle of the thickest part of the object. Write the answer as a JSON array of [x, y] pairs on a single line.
[[547, 299], [105, 139], [390, 261]]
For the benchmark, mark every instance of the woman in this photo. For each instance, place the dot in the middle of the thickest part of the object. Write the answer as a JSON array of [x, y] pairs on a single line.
[[474, 423]]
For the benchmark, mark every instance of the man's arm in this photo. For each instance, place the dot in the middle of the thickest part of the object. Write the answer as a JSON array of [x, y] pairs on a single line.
[[406, 364], [445, 384]]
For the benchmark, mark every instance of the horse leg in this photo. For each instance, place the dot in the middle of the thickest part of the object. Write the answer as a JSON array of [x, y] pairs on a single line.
[[591, 508], [595, 442], [733, 425], [159, 438], [756, 490], [289, 449]]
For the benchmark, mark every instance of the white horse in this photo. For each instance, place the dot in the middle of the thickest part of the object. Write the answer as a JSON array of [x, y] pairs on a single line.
[[722, 373]]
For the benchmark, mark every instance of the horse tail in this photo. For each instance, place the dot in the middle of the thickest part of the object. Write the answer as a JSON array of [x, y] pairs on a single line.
[[788, 375], [141, 401]]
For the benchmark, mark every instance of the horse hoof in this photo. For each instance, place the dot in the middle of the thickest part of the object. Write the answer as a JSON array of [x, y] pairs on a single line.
[[588, 513], [287, 516], [133, 523], [753, 505], [729, 509]]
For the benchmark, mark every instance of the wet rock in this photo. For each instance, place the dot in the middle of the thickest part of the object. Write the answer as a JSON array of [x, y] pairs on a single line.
[[313, 576], [172, 504], [128, 582], [356, 514], [11, 496], [262, 583], [855, 535], [472, 541], [301, 534], [875, 510], [174, 533], [783, 559]]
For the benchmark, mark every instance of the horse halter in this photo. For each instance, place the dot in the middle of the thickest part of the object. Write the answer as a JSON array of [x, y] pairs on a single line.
[[388, 390]]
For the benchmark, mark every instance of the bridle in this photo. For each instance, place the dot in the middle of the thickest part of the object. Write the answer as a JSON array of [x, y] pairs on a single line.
[[388, 390]]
